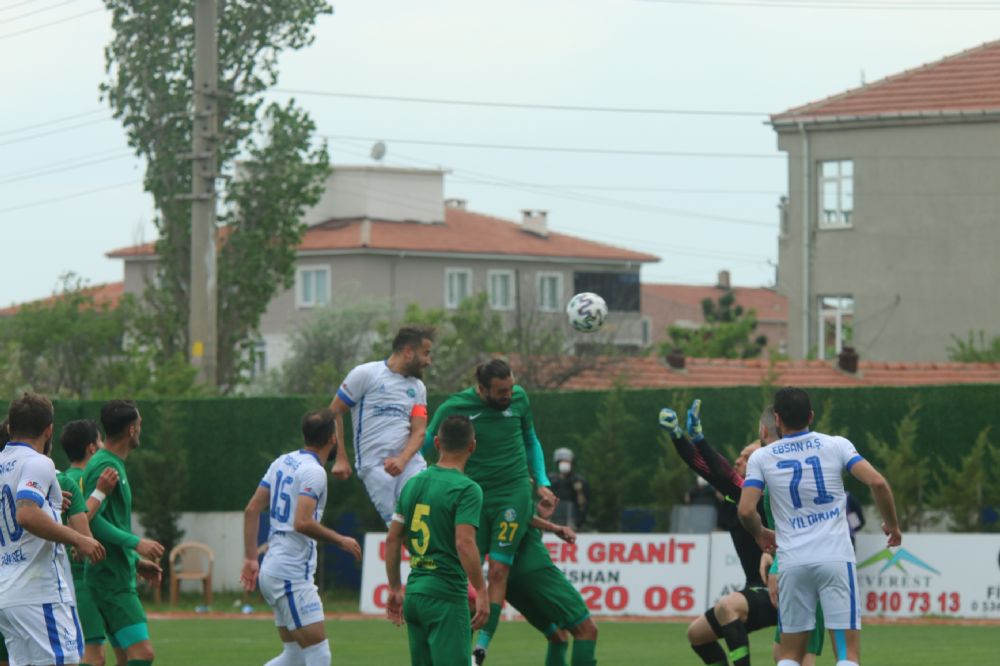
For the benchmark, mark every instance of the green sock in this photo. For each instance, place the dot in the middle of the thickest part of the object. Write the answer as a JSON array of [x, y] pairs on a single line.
[[140, 662], [486, 633], [583, 653], [556, 656]]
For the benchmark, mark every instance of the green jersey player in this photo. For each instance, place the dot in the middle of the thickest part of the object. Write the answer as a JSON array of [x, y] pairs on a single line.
[[437, 516], [112, 581], [506, 449]]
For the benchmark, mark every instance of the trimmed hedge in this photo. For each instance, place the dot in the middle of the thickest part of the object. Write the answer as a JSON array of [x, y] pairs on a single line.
[[230, 441]]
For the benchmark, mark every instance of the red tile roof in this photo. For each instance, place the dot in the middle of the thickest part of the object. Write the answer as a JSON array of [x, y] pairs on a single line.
[[769, 304], [102, 294], [463, 232], [966, 82], [652, 372]]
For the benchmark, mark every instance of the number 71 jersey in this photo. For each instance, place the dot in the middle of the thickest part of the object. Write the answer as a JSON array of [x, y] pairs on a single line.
[[290, 554], [804, 474]]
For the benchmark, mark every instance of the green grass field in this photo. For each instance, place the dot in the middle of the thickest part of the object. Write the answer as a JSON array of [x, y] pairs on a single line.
[[376, 642]]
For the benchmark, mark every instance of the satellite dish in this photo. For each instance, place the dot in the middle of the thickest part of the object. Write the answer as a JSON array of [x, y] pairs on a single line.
[[378, 151]]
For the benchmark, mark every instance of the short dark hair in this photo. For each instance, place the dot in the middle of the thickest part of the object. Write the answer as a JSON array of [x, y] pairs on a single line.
[[317, 427], [496, 368], [412, 336], [4, 434], [117, 416], [455, 433], [29, 416], [76, 436], [793, 406]]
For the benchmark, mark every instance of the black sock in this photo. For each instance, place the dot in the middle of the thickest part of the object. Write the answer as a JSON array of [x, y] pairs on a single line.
[[711, 653], [737, 642]]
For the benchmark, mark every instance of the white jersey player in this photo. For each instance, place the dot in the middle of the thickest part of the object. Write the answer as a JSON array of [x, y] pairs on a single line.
[[388, 405], [37, 604], [804, 473], [293, 492]]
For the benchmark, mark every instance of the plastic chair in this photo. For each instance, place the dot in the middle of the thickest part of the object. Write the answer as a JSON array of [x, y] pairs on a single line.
[[191, 561]]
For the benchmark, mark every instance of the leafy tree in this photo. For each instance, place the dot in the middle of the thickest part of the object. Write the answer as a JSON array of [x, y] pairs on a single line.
[[973, 350], [965, 489], [903, 468], [326, 346], [726, 333], [150, 60]]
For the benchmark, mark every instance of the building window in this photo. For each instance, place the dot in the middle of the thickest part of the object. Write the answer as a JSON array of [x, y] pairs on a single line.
[[647, 331], [619, 290], [501, 285], [836, 324], [312, 287], [258, 366], [550, 292], [836, 194], [457, 286]]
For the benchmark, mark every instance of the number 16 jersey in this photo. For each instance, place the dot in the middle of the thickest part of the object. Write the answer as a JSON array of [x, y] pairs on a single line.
[[290, 554], [804, 475]]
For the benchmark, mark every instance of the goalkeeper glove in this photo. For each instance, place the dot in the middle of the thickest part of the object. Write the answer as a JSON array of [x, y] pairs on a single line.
[[670, 422], [694, 422]]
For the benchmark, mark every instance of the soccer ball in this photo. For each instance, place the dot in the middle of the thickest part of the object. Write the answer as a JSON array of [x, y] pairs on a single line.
[[587, 312]]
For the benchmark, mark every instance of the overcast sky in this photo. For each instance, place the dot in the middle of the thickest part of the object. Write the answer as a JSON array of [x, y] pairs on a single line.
[[699, 212]]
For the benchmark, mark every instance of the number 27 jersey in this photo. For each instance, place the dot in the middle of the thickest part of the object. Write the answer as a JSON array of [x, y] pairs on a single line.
[[804, 475], [290, 554]]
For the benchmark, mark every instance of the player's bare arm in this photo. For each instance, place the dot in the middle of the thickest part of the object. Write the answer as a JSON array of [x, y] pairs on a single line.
[[151, 572], [751, 521], [106, 483], [418, 429], [306, 523], [393, 543], [564, 532], [468, 555], [864, 472], [32, 518], [259, 502], [342, 465]]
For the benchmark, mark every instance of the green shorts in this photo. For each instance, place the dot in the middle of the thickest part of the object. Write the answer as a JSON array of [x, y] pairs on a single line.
[[816, 638], [546, 599], [504, 521], [90, 618], [124, 619], [440, 632]]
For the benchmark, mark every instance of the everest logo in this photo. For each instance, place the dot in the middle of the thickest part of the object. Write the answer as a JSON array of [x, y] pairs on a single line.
[[896, 560]]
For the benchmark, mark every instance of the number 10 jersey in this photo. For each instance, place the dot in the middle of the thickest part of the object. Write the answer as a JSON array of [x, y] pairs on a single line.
[[804, 474]]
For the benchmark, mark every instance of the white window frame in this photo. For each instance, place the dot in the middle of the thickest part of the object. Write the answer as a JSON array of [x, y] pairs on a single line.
[[542, 276], [448, 272], [512, 290], [259, 367], [844, 219], [837, 317], [300, 300]]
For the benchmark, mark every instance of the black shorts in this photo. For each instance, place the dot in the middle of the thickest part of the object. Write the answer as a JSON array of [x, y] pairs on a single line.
[[761, 613]]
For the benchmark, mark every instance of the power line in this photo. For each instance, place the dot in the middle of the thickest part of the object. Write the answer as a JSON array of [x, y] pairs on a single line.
[[51, 23], [55, 121], [75, 195], [560, 149], [36, 11], [70, 165], [628, 188], [17, 4], [910, 5], [522, 105], [59, 130]]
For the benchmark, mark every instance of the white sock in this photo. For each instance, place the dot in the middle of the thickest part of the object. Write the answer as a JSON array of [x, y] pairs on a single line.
[[291, 655], [788, 662], [317, 655], [845, 662]]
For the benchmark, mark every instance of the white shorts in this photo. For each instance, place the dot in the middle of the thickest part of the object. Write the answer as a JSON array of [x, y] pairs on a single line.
[[833, 584], [296, 604], [384, 489], [42, 634]]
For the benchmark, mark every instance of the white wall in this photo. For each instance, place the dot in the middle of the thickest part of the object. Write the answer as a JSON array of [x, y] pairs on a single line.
[[222, 531]]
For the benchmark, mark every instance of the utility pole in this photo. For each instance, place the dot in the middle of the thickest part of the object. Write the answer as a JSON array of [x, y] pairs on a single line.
[[203, 294]]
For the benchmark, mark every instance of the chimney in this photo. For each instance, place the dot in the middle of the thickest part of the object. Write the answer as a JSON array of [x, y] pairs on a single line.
[[366, 232], [535, 222], [457, 204], [675, 359], [847, 360], [723, 282]]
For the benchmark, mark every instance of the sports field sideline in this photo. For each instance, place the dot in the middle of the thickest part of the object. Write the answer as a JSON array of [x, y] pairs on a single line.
[[220, 640]]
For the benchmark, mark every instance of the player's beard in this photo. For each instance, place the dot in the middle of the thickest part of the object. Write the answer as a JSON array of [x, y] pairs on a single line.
[[415, 369], [499, 405], [47, 449]]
